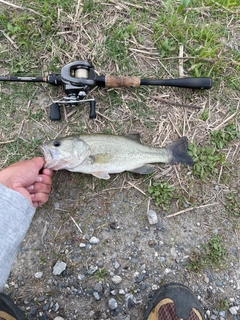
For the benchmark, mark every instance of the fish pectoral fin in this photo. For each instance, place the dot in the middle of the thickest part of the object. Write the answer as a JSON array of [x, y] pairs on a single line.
[[101, 175], [145, 169]]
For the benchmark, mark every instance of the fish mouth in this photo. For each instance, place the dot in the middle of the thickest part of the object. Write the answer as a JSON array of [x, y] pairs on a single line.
[[47, 155]]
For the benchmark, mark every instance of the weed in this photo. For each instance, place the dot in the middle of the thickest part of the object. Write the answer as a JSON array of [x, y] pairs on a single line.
[[204, 115], [161, 193], [100, 274], [222, 138], [206, 160], [223, 304], [232, 203], [212, 254]]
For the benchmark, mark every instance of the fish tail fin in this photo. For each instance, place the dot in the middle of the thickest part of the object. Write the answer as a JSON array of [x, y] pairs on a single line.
[[179, 153]]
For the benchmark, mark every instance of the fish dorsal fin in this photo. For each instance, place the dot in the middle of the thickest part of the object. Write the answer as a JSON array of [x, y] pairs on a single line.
[[101, 175], [133, 136]]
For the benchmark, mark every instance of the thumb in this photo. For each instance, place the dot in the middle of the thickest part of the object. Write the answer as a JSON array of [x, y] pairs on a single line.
[[37, 162]]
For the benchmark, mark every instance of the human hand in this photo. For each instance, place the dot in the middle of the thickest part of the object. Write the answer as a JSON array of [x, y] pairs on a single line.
[[24, 177]]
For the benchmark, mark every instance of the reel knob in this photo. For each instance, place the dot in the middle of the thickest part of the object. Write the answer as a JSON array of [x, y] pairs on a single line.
[[55, 114]]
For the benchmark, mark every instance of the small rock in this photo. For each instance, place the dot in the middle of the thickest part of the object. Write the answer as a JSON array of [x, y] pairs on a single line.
[[152, 217], [116, 279], [116, 264], [219, 283], [112, 304], [96, 295], [38, 275], [80, 277], [92, 270], [130, 301], [58, 318], [46, 307], [94, 240], [56, 205], [98, 287], [173, 252], [59, 267], [56, 307], [233, 310]]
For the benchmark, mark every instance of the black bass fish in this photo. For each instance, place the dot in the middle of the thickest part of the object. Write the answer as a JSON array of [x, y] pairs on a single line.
[[101, 154]]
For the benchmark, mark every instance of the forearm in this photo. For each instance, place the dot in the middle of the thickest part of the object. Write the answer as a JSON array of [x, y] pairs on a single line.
[[16, 214]]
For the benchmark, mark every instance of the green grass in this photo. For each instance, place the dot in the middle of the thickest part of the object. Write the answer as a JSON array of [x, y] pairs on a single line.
[[161, 193], [212, 254]]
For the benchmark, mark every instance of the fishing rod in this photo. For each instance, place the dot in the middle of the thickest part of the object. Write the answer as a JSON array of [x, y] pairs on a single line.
[[78, 77]]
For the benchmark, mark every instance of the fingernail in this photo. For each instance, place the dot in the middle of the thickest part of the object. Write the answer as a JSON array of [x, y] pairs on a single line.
[[30, 187], [32, 195], [39, 179]]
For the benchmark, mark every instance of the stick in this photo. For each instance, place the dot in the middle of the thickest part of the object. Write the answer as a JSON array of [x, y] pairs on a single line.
[[181, 71], [136, 188], [75, 223], [21, 8], [176, 103], [189, 209]]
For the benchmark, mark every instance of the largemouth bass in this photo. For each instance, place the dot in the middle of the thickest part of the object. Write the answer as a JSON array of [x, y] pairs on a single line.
[[101, 154]]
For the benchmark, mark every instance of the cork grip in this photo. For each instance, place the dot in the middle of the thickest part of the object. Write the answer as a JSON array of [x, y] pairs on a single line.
[[117, 82]]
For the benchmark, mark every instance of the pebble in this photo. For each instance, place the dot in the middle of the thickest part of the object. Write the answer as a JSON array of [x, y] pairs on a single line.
[[116, 265], [112, 304], [152, 217], [59, 267], [96, 295], [130, 301], [38, 275], [92, 270], [233, 310], [116, 279], [58, 318], [219, 283], [98, 287], [94, 240]]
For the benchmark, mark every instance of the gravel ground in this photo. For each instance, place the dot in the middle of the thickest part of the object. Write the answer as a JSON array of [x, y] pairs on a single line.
[[89, 256]]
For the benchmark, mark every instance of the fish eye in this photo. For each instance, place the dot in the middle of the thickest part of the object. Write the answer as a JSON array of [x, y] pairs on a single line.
[[56, 143]]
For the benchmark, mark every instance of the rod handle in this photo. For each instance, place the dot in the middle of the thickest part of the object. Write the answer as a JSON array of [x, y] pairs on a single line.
[[121, 81]]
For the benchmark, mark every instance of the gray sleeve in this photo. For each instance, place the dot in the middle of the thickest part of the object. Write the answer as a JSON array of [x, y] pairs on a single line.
[[16, 214]]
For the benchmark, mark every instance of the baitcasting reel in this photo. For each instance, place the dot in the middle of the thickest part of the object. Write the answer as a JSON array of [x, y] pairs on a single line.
[[78, 78]]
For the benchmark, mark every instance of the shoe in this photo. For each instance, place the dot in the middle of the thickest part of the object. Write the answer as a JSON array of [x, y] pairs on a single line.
[[9, 310], [174, 301]]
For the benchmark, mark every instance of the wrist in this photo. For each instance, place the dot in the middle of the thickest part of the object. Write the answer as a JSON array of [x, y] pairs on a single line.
[[5, 179]]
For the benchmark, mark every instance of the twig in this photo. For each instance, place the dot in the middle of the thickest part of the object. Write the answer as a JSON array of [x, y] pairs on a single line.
[[189, 209], [10, 40], [181, 72], [145, 52], [21, 8], [176, 103], [226, 120], [5, 142], [75, 222], [136, 188]]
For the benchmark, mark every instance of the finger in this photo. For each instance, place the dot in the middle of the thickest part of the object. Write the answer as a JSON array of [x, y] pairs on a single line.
[[40, 198], [39, 187], [45, 179], [47, 172]]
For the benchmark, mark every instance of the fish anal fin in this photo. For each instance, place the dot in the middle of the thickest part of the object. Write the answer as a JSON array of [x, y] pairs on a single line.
[[101, 175], [133, 136], [145, 169]]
